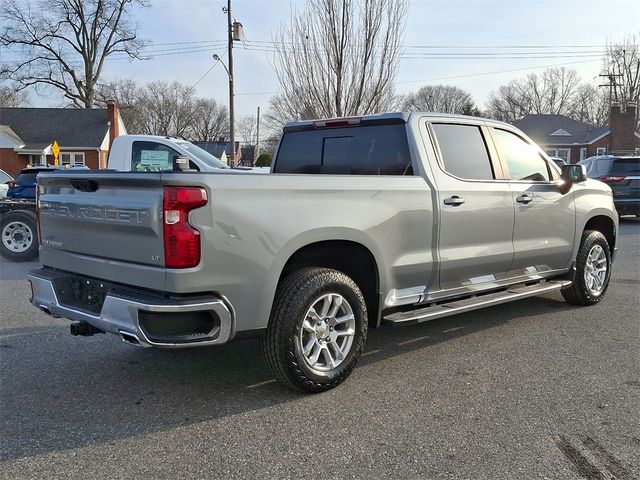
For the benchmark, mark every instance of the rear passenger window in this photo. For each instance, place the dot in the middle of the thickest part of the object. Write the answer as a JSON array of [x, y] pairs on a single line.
[[523, 160], [463, 150], [366, 150]]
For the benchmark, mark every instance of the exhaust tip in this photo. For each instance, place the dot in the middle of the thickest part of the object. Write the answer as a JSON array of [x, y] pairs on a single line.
[[44, 310], [129, 338]]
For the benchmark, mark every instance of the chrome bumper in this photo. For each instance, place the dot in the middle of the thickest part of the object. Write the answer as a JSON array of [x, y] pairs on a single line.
[[119, 313]]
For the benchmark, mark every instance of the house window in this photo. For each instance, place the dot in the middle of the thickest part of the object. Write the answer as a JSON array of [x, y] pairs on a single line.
[[583, 153], [73, 159], [563, 153], [601, 151]]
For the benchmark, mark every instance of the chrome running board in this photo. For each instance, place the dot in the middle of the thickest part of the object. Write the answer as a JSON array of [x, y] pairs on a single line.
[[454, 307]]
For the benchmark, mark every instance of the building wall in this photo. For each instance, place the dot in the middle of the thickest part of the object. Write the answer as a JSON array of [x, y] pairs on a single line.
[[12, 163]]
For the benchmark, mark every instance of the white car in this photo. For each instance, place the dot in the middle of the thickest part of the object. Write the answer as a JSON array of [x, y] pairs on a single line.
[[5, 178]]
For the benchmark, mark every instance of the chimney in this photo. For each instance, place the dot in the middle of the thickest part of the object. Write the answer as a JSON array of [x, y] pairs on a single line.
[[622, 125], [631, 108], [112, 118]]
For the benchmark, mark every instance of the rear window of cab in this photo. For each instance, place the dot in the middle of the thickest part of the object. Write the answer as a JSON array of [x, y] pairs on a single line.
[[363, 150]]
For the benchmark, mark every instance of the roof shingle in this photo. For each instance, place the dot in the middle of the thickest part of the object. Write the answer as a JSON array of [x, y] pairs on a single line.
[[70, 127]]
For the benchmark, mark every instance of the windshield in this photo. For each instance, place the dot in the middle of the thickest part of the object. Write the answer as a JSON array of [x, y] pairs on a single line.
[[202, 155]]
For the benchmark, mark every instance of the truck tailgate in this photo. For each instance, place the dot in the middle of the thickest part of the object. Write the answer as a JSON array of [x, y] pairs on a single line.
[[110, 216]]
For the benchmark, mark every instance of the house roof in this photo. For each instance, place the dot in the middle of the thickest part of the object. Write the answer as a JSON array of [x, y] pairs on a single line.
[[559, 130], [216, 148], [70, 127]]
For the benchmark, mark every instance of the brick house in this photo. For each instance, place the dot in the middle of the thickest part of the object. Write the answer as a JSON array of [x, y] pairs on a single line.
[[83, 135], [572, 141]]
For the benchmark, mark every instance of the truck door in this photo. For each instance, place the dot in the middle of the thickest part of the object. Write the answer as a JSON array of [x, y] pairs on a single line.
[[545, 224], [475, 206]]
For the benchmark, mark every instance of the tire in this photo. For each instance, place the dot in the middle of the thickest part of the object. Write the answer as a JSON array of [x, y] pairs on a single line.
[[295, 333], [583, 290], [18, 236]]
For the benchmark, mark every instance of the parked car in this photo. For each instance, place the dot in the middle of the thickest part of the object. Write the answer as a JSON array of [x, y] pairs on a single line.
[[154, 153], [5, 178], [24, 185], [396, 218], [622, 174]]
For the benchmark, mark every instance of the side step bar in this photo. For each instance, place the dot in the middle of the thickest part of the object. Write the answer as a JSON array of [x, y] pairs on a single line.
[[433, 312]]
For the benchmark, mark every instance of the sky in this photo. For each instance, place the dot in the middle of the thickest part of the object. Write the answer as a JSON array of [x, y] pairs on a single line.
[[568, 33]]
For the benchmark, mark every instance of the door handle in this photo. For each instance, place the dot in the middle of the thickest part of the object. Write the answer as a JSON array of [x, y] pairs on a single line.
[[454, 200], [524, 198]]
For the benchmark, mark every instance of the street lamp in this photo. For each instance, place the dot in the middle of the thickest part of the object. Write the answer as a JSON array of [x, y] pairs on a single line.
[[232, 129]]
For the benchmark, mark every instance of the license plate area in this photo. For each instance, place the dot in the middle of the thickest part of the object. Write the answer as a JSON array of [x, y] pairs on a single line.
[[82, 293]]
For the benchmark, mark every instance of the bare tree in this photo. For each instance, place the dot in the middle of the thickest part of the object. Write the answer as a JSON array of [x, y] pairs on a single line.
[[552, 92], [590, 105], [64, 43], [166, 108], [10, 97], [210, 120], [622, 63], [338, 58], [440, 98], [126, 94], [247, 130]]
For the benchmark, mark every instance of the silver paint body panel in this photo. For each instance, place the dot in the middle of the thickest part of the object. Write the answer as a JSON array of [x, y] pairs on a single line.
[[253, 224]]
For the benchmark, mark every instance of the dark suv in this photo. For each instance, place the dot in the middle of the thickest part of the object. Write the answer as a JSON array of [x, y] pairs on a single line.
[[24, 186], [622, 174]]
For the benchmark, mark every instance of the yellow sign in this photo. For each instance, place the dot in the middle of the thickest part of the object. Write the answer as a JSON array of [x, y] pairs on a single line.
[[56, 151]]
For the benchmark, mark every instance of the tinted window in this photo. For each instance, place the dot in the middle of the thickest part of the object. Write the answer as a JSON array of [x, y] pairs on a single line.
[[523, 160], [464, 152], [626, 166], [26, 178], [601, 166], [152, 157], [366, 150], [5, 177]]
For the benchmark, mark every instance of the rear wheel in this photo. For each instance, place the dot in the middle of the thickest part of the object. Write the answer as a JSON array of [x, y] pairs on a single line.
[[317, 330], [593, 270], [18, 235]]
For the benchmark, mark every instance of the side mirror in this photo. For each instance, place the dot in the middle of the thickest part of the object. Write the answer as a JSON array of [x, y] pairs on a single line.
[[574, 173]]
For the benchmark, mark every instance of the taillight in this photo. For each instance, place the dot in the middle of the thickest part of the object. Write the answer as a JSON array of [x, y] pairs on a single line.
[[38, 215], [11, 184], [181, 240], [337, 123], [610, 178]]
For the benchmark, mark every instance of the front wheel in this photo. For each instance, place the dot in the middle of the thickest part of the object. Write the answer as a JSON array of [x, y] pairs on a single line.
[[593, 270], [317, 330], [19, 236]]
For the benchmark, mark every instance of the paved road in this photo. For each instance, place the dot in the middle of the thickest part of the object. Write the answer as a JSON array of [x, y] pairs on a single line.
[[536, 389]]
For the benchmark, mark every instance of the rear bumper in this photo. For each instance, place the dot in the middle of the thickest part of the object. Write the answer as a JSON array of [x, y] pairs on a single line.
[[627, 206], [124, 313]]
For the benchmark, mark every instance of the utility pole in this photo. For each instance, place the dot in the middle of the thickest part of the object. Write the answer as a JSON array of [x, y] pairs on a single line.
[[256, 153], [612, 84], [232, 127]]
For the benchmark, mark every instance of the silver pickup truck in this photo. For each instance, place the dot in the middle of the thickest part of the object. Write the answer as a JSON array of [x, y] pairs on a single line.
[[395, 218]]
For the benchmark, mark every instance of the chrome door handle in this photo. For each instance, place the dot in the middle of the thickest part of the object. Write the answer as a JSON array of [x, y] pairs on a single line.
[[524, 198], [454, 200]]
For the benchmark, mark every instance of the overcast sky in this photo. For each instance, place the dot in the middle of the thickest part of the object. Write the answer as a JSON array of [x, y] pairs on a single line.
[[581, 28]]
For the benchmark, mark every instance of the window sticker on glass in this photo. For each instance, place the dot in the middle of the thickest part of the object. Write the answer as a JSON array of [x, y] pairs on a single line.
[[155, 159]]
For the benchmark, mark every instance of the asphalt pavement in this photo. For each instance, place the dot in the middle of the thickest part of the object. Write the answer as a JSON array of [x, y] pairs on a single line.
[[532, 389]]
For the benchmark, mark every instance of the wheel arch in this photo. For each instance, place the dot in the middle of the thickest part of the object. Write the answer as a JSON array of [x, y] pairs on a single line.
[[605, 225], [352, 256]]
